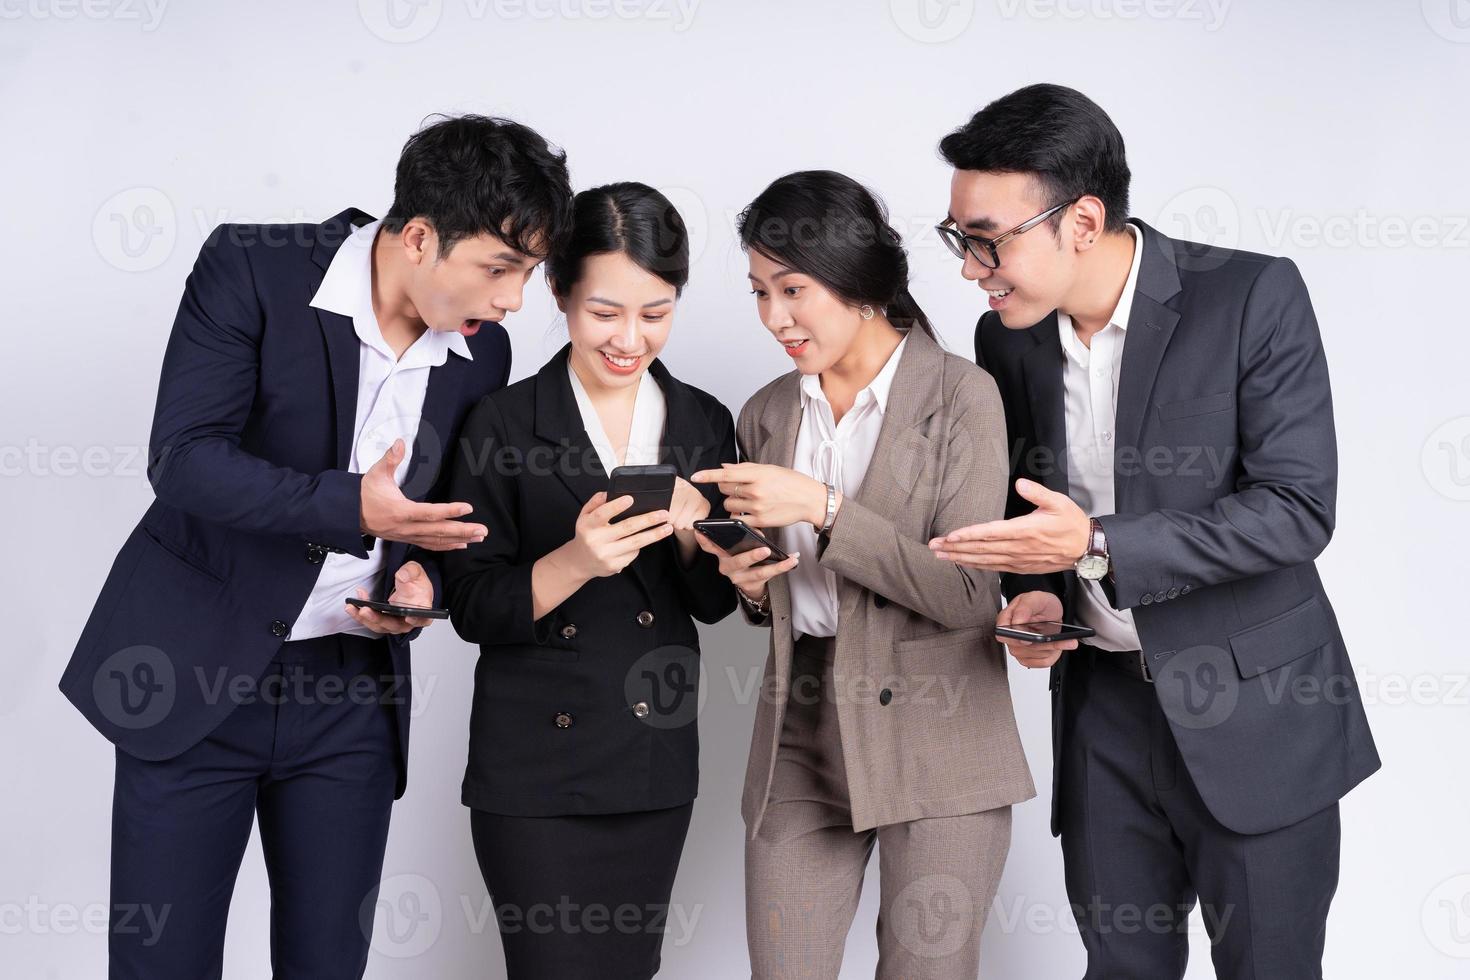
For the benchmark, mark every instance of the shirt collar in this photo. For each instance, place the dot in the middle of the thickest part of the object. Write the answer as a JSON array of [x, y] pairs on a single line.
[[347, 289], [1121, 312], [877, 389]]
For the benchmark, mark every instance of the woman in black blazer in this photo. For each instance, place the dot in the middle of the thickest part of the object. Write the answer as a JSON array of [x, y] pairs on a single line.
[[583, 760]]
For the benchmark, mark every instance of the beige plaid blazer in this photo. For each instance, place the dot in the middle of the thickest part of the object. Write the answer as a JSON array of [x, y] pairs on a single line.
[[923, 704]]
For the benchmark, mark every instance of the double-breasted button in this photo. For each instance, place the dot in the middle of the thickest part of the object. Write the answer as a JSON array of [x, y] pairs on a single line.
[[645, 619], [1174, 592], [1186, 589], [885, 696], [1146, 600], [279, 628], [879, 601], [640, 710], [316, 553], [569, 632], [1160, 596], [563, 720]]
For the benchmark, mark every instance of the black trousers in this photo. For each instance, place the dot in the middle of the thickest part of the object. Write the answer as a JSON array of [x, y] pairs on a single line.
[[1140, 849], [582, 895], [311, 750]]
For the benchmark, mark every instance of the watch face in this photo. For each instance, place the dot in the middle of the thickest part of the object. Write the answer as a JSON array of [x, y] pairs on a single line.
[[1092, 567]]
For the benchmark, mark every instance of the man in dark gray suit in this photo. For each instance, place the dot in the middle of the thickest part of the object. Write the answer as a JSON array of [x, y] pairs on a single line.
[[1175, 476]]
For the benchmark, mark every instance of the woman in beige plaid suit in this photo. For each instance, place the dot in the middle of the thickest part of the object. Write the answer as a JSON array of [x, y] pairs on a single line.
[[885, 715]]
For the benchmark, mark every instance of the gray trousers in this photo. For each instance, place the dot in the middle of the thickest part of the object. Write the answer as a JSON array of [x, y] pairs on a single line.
[[804, 869]]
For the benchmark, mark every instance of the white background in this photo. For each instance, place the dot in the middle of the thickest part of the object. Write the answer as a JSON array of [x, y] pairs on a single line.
[[1330, 132]]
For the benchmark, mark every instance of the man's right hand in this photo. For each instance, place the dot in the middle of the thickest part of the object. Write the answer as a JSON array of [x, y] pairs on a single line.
[[386, 513], [1033, 607]]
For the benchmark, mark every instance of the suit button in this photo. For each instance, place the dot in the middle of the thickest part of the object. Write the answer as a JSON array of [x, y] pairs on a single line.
[[645, 619], [563, 720], [640, 710], [568, 632], [1146, 599], [279, 628], [315, 554], [1185, 589], [884, 696], [879, 601], [1174, 592], [1160, 596]]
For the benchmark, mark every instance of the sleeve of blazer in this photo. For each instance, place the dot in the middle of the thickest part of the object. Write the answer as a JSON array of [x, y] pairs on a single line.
[[707, 594], [487, 586], [1013, 584], [865, 547], [1282, 510], [744, 440], [205, 393]]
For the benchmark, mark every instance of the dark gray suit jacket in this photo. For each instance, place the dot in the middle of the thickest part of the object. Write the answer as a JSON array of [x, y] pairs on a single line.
[[1226, 481]]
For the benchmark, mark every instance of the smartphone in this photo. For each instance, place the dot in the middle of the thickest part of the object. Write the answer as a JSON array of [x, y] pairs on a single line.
[[737, 537], [398, 609], [1045, 632], [651, 487]]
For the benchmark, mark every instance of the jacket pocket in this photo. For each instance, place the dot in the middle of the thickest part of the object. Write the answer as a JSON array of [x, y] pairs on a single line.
[[182, 554], [1278, 641], [944, 638], [1196, 406]]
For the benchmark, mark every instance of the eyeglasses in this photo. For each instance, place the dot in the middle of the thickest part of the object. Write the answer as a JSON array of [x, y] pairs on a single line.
[[984, 249]]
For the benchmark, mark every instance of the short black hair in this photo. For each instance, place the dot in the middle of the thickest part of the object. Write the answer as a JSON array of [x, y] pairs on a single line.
[[1057, 135], [472, 175], [628, 218]]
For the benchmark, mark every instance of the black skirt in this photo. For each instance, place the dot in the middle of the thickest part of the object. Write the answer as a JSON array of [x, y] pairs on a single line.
[[581, 895]]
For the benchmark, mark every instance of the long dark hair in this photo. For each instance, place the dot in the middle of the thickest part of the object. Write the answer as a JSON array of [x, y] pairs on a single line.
[[828, 226], [630, 218]]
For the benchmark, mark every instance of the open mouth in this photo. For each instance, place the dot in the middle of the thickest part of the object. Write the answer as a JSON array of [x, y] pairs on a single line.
[[470, 327], [619, 364], [1001, 293], [795, 347]]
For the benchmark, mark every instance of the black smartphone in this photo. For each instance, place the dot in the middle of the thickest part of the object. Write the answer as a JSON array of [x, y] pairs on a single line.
[[738, 537], [1045, 632], [651, 487], [398, 609]]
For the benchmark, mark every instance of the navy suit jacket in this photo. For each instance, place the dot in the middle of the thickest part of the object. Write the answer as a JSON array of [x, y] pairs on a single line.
[[248, 460], [1225, 469]]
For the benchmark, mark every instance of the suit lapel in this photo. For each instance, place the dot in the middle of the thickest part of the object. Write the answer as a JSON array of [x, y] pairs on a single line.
[[337, 330], [1042, 369], [559, 423], [436, 420], [1150, 326], [778, 425], [899, 454]]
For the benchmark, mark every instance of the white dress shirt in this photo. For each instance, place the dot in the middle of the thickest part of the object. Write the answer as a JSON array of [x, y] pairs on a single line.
[[1090, 378], [390, 398], [645, 432], [836, 453]]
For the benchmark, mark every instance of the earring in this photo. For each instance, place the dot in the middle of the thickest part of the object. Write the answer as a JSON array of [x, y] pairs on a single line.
[[865, 311]]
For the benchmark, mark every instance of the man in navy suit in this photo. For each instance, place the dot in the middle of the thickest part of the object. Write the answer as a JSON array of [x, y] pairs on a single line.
[[1175, 467], [221, 658]]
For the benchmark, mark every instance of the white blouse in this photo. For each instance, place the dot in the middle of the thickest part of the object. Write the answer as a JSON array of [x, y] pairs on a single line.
[[645, 434]]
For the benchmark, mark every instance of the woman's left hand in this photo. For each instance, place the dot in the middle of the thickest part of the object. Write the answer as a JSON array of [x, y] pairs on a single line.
[[769, 496]]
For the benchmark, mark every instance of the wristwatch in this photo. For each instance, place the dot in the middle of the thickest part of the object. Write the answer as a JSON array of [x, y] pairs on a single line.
[[1093, 565]]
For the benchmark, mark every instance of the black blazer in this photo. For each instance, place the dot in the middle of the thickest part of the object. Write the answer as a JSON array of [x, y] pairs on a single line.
[[590, 709], [1226, 477], [248, 459]]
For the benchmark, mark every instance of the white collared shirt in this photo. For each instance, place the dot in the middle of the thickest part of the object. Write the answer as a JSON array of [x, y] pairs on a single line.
[[645, 431], [839, 454], [390, 399], [1090, 379]]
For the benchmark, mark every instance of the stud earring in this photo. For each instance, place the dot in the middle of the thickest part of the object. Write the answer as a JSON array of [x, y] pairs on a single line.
[[865, 311]]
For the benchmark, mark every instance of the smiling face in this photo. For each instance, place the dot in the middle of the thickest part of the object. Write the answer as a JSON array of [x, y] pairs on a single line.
[[481, 279], [618, 319], [1037, 268], [814, 326]]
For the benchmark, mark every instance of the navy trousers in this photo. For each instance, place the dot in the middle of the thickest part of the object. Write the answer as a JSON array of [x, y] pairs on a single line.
[[1141, 849], [312, 751]]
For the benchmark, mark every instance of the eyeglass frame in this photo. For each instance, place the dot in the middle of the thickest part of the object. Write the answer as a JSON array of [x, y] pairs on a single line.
[[947, 228]]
